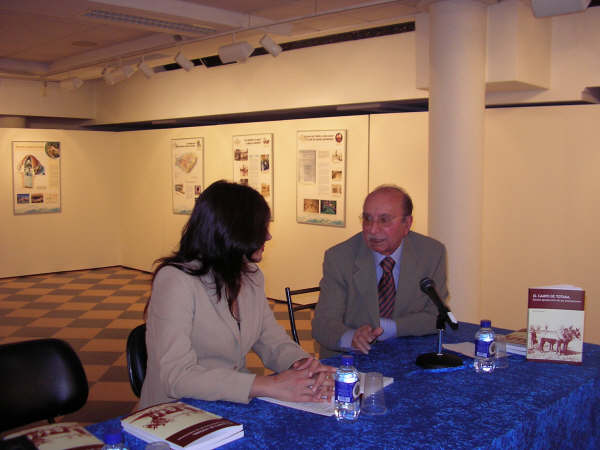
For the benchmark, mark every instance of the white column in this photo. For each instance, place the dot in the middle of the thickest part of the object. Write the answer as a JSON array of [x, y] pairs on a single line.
[[457, 55]]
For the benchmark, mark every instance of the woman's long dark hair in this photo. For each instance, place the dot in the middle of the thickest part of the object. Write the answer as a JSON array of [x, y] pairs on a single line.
[[228, 224]]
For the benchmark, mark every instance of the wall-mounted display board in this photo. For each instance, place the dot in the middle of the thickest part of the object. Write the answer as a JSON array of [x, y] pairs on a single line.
[[253, 164], [36, 177], [188, 173], [321, 179]]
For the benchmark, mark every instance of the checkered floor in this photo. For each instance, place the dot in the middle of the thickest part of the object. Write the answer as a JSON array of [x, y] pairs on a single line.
[[94, 310]]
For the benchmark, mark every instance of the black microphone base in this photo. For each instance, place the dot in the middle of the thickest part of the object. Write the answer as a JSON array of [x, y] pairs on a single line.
[[438, 361]]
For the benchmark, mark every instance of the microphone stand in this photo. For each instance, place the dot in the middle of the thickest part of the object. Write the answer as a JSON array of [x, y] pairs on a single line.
[[439, 360]]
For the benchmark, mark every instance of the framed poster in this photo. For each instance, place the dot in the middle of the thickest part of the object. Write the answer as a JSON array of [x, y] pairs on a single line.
[[253, 164], [321, 178], [188, 173], [36, 177]]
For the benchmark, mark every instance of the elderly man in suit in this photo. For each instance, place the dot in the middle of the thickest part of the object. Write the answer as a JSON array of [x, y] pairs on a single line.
[[370, 286]]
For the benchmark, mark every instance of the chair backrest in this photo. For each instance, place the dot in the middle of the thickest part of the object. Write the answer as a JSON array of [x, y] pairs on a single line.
[[137, 358], [39, 380], [293, 308]]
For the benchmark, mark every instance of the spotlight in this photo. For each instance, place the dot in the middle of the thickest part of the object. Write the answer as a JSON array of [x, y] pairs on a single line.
[[146, 69], [185, 63], [270, 45], [128, 71], [112, 76], [236, 52], [71, 84]]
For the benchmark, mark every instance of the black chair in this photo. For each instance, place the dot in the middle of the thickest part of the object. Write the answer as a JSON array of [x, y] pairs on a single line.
[[137, 358], [294, 308], [39, 380]]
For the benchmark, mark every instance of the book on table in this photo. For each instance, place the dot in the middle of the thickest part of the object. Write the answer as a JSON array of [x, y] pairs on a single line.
[[555, 324], [182, 426], [516, 342], [58, 436]]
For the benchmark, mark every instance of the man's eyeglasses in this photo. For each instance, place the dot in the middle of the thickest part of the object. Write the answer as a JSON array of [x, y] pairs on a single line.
[[385, 220]]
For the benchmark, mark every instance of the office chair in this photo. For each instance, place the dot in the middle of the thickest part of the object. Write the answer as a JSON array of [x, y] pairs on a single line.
[[39, 380], [137, 358], [294, 308]]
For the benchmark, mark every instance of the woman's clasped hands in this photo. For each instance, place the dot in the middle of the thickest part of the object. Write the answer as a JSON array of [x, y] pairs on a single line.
[[320, 378], [307, 380]]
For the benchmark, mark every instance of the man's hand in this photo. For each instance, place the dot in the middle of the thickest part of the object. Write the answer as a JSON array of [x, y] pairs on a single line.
[[364, 336]]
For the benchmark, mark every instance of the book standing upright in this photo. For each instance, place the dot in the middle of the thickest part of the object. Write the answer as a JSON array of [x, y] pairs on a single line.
[[555, 324]]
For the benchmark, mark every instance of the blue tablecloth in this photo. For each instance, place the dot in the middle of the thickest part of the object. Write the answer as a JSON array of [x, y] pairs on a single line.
[[532, 405]]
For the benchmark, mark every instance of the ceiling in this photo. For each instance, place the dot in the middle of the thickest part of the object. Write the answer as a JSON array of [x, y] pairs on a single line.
[[60, 39]]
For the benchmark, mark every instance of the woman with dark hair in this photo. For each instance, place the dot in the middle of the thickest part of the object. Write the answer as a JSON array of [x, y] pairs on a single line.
[[208, 310]]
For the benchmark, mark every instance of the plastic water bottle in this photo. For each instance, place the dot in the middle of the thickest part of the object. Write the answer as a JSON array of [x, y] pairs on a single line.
[[113, 440], [347, 391], [485, 348]]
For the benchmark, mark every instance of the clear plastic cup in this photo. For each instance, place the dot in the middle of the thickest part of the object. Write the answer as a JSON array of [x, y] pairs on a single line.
[[501, 354], [373, 399]]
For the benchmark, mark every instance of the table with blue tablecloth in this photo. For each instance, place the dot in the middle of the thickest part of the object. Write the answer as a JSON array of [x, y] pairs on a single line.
[[526, 405]]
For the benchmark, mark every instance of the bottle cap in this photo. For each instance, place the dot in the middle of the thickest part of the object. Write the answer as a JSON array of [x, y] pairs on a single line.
[[485, 323], [347, 360], [113, 437]]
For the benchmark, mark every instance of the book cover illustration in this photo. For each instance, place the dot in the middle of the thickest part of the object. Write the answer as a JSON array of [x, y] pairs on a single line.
[[182, 426], [60, 436], [555, 324]]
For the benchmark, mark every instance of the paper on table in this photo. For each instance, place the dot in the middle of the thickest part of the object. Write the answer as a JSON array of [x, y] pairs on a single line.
[[324, 409], [464, 348]]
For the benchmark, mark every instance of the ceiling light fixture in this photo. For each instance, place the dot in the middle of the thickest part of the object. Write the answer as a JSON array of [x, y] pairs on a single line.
[[185, 63], [146, 69], [71, 84], [128, 71], [148, 22], [112, 76], [270, 45], [236, 52]]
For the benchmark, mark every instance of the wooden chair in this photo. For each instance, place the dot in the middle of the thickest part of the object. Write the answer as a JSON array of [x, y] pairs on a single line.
[[39, 380], [137, 358], [294, 308]]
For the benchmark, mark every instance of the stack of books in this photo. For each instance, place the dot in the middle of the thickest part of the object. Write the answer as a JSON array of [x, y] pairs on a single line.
[[516, 342], [182, 426]]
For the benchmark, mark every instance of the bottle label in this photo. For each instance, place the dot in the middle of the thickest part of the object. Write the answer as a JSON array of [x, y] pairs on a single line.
[[485, 349], [347, 392]]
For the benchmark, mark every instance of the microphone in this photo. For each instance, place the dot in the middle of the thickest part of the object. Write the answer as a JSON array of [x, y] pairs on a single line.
[[428, 287]]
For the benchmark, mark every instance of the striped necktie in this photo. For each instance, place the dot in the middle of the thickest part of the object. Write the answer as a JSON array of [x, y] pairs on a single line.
[[386, 288]]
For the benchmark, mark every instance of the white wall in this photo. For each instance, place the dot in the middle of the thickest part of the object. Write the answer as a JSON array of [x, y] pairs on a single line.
[[86, 233], [295, 254], [574, 61], [399, 154], [37, 98], [357, 71], [541, 214]]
